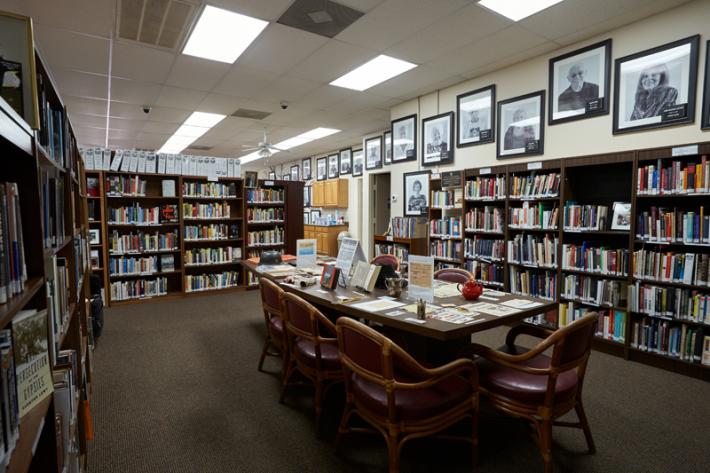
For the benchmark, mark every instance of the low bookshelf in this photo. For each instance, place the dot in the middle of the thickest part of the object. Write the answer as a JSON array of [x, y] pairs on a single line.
[[446, 233]]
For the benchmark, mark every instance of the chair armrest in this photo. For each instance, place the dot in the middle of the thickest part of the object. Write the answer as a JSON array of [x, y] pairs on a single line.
[[526, 329], [461, 366], [511, 361]]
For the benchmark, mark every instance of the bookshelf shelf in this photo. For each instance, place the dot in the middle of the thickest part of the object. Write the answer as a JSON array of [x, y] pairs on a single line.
[[212, 240], [207, 265], [209, 198], [549, 198], [31, 427], [672, 283], [15, 304], [266, 245], [581, 272], [144, 252], [272, 222], [670, 319], [144, 225], [44, 160], [673, 196], [210, 219], [144, 275], [591, 304]]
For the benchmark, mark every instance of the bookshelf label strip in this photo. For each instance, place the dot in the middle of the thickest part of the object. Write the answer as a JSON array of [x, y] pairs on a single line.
[[484, 171], [535, 165], [685, 150]]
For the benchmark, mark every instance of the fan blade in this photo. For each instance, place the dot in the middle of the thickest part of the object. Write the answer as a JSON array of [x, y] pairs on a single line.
[[279, 149], [250, 149]]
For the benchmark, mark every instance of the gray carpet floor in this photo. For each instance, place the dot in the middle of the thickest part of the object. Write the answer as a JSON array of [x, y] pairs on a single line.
[[176, 390]]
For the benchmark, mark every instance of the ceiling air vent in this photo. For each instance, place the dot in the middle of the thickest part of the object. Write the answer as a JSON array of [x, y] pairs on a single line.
[[321, 17], [200, 147], [253, 114], [159, 23]]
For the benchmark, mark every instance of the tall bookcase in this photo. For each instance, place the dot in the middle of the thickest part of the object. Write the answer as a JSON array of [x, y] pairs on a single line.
[[446, 230]]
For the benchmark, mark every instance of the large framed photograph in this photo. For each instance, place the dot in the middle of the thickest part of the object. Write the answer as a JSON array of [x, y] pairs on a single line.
[[416, 193], [306, 169], [272, 176], [437, 139], [521, 125], [294, 172], [18, 76], [346, 161], [705, 123], [579, 83], [656, 88], [332, 166], [404, 139], [476, 117], [373, 153], [387, 138], [322, 169], [358, 162]]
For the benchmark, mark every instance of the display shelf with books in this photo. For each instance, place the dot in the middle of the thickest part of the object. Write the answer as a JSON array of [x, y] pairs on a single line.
[[446, 219], [397, 244]]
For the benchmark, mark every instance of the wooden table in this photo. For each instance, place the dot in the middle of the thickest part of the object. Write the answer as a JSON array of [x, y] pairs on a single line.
[[434, 339]]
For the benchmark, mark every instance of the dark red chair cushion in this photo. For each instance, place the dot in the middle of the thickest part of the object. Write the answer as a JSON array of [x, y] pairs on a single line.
[[276, 327], [305, 352], [524, 387], [412, 404]]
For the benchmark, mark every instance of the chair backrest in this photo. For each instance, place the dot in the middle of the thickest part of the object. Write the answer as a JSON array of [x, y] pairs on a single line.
[[453, 275], [391, 260], [303, 320], [270, 297], [573, 343]]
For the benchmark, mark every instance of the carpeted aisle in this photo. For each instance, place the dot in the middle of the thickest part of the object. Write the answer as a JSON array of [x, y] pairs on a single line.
[[176, 390]]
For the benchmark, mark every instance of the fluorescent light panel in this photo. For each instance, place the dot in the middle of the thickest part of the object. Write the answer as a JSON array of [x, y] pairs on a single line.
[[222, 35], [373, 72], [195, 126], [298, 140], [516, 10]]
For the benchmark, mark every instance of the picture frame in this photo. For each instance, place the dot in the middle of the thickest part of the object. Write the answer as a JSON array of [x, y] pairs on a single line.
[[705, 119], [416, 192], [272, 175], [17, 38], [437, 139], [306, 169], [621, 219], [358, 162], [11, 86], [294, 172], [521, 126], [286, 177], [404, 139], [655, 88], [306, 217], [333, 166], [307, 196], [94, 236], [476, 117], [321, 169], [251, 179], [387, 139], [373, 153], [579, 84], [315, 214], [345, 160]]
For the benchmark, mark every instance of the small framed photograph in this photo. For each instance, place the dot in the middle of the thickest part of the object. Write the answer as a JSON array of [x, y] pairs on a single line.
[[94, 236], [705, 123], [321, 169], [315, 214], [388, 147], [416, 193], [18, 72], [476, 117], [272, 176], [404, 139], [307, 196], [521, 125], [358, 162], [621, 219], [437, 138], [306, 217], [306, 169], [294, 172], [656, 88], [579, 83], [346, 161], [94, 258], [332, 166], [286, 177], [11, 84], [373, 150], [251, 178]]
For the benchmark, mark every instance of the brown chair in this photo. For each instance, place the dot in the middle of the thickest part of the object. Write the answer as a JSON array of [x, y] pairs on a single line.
[[397, 396], [313, 348], [273, 317], [453, 275], [391, 260], [525, 383]]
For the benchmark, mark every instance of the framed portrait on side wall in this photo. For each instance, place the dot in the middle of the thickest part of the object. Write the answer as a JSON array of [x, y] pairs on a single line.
[[705, 123], [294, 172], [373, 153], [307, 196], [358, 162], [322, 169], [388, 147], [332, 166], [404, 139], [272, 175], [476, 117], [286, 177], [416, 193], [656, 88], [346, 161], [579, 83], [306, 169], [437, 139], [521, 125]]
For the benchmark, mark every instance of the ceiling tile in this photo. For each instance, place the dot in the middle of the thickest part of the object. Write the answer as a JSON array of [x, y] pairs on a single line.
[[169, 115], [243, 81], [226, 104], [130, 91], [570, 16], [331, 61], [411, 80], [84, 121], [266, 10], [59, 49], [141, 63], [88, 16], [323, 97], [152, 126], [361, 5], [84, 105], [286, 88], [196, 73], [126, 125], [176, 97], [80, 84], [151, 140]]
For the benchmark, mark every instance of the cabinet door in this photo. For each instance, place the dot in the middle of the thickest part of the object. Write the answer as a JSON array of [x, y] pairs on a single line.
[[341, 194], [331, 193], [318, 194]]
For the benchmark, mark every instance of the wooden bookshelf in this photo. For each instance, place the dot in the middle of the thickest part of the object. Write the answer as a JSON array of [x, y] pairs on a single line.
[[446, 205], [400, 247]]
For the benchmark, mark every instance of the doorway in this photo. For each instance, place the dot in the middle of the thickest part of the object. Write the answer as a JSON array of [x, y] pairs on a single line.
[[380, 203]]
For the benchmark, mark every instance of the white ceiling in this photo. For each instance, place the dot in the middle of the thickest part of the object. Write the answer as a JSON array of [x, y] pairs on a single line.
[[451, 40]]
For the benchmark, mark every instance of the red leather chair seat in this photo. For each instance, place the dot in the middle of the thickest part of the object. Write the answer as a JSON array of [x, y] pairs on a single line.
[[412, 404], [524, 387], [305, 352], [276, 327]]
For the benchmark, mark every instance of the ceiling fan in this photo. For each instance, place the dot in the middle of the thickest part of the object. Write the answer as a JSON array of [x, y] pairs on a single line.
[[264, 148]]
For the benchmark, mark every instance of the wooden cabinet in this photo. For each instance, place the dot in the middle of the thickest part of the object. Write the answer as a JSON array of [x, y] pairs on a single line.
[[318, 198], [326, 237], [332, 193]]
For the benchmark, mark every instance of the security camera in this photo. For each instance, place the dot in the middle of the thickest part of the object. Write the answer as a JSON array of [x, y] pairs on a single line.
[[284, 105], [147, 109]]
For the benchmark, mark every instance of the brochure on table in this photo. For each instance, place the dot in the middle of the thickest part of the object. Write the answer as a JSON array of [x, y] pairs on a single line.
[[349, 254], [306, 253], [421, 277]]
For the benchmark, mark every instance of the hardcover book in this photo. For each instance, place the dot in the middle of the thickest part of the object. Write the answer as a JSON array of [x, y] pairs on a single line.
[[329, 277], [34, 378]]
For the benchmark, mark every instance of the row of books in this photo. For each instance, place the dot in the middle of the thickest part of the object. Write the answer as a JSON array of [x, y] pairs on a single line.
[[10, 396], [141, 242], [673, 225], [592, 290], [540, 216], [681, 342], [487, 219], [66, 397], [52, 209], [534, 283], [448, 249], [686, 268], [535, 185], [450, 227], [13, 269], [593, 259], [200, 256], [408, 227], [674, 178], [270, 214], [485, 188], [400, 251], [211, 210], [669, 302], [611, 324], [124, 186], [212, 231], [485, 248], [51, 134], [209, 189], [58, 307], [440, 199], [205, 282], [272, 236], [256, 196], [533, 250], [125, 266], [486, 272], [584, 217], [138, 288], [81, 260], [134, 214]]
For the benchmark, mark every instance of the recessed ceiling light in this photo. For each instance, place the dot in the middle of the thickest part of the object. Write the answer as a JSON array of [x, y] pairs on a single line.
[[189, 131], [373, 72], [195, 126], [222, 35], [516, 10], [204, 119]]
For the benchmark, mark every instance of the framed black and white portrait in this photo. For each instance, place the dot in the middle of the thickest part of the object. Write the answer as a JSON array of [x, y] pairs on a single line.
[[705, 123], [294, 172], [373, 153], [656, 88], [358, 162], [387, 138], [521, 125], [332, 166], [307, 196], [286, 177], [346, 161], [322, 169], [94, 236], [272, 175], [306, 169], [437, 139], [579, 83], [306, 217], [416, 193], [404, 139], [315, 214], [476, 117]]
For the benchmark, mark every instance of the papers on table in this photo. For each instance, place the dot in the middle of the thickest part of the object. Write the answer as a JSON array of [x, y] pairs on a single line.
[[494, 309], [276, 270], [412, 308], [521, 304], [377, 305], [446, 290], [457, 315]]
